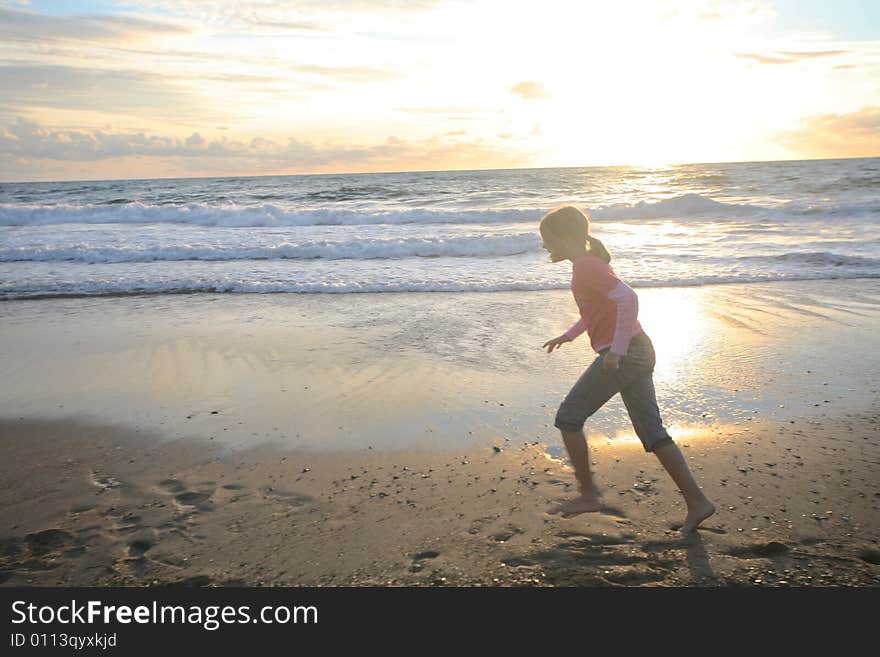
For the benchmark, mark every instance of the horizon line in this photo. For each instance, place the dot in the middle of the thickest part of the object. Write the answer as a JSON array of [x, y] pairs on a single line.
[[366, 173]]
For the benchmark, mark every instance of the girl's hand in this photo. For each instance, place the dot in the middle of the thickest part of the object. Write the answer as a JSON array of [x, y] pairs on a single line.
[[555, 342], [611, 360]]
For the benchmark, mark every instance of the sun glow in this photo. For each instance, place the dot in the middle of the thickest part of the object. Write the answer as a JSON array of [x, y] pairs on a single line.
[[427, 86], [676, 321], [692, 433]]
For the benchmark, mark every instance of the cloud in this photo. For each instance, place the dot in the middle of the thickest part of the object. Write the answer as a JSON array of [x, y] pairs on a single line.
[[190, 97], [279, 24], [195, 140], [443, 110], [349, 73], [235, 8], [26, 138], [788, 57], [21, 25], [530, 90], [856, 134], [28, 146], [764, 59], [814, 53], [153, 95], [387, 6], [262, 15], [720, 10], [257, 17]]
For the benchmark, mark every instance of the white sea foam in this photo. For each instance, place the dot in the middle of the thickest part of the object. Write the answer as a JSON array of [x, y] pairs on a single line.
[[272, 215], [363, 249], [200, 214], [198, 285], [687, 205], [438, 231]]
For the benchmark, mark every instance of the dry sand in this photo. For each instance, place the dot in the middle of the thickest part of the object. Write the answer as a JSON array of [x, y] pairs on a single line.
[[133, 457], [100, 505]]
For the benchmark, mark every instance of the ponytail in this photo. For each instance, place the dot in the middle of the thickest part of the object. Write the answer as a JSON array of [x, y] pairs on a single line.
[[598, 249]]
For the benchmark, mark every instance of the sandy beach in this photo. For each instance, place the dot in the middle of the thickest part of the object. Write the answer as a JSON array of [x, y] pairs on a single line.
[[407, 439]]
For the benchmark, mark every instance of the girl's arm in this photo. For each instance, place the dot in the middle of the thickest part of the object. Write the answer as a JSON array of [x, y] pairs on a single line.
[[627, 309], [576, 329]]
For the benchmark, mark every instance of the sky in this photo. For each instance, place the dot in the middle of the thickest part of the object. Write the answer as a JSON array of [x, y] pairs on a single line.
[[98, 89]]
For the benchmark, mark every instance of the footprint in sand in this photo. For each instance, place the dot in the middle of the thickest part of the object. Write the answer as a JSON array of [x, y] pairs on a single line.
[[478, 524], [428, 554], [74, 552], [580, 561], [10, 548], [139, 547], [135, 560], [89, 532], [195, 580], [234, 492], [38, 551], [599, 539], [192, 498], [289, 498], [200, 499], [636, 576], [104, 482], [128, 523], [506, 534], [82, 508], [135, 566], [605, 509], [49, 540], [761, 550], [604, 556], [172, 485], [676, 525], [417, 559], [870, 555]]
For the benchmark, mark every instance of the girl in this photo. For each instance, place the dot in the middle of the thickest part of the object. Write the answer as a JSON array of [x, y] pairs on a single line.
[[625, 364]]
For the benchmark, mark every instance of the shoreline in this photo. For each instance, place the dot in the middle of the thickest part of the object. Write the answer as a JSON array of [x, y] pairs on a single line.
[[142, 293]]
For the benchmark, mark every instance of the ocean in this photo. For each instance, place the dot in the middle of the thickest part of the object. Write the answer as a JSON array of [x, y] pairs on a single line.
[[682, 225]]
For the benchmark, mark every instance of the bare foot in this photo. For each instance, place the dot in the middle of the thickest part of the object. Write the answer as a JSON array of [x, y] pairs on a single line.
[[697, 515], [580, 504]]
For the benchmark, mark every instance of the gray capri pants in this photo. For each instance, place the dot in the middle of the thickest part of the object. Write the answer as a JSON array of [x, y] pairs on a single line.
[[633, 380]]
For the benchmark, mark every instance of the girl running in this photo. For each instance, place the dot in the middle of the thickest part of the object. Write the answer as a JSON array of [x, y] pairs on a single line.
[[625, 364]]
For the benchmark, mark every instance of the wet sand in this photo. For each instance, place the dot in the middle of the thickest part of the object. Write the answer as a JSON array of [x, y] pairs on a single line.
[[271, 440]]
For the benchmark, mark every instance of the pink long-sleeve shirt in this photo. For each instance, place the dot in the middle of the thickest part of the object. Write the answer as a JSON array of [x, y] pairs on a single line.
[[609, 307]]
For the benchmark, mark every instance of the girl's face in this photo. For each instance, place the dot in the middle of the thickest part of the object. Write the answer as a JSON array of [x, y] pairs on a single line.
[[557, 251]]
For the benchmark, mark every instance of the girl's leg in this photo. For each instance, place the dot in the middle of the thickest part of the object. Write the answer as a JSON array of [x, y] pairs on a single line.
[[594, 387], [578, 454], [641, 403], [699, 506]]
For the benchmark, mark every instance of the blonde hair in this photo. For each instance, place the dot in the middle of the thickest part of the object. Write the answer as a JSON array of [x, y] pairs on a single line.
[[569, 223]]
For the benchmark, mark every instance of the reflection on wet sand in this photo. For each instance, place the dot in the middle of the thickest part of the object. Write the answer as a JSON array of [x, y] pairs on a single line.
[[391, 370]]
